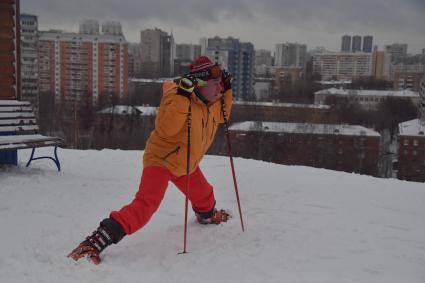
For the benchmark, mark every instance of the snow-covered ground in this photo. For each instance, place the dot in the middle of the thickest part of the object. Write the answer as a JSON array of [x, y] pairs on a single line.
[[302, 225]]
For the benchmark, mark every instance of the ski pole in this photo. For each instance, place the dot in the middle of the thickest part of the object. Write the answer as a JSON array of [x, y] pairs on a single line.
[[229, 150], [189, 122]]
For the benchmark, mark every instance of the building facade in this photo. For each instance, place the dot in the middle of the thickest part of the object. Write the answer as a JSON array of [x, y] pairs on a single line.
[[112, 28], [188, 51], [407, 80], [287, 75], [134, 61], [239, 59], [10, 57], [346, 43], [411, 144], [290, 55], [157, 53], [367, 43], [398, 52], [79, 68], [381, 62], [281, 112], [357, 44], [29, 60], [411, 151], [342, 66], [89, 26], [368, 99], [263, 57], [338, 147]]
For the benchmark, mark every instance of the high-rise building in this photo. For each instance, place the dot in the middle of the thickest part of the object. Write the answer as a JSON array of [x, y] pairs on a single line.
[[407, 76], [134, 60], [367, 43], [112, 28], [239, 59], [381, 65], [157, 53], [185, 55], [342, 66], [290, 55], [263, 57], [346, 43], [10, 73], [406, 80], [89, 27], [203, 41], [29, 60], [85, 68], [398, 52], [357, 44], [188, 51]]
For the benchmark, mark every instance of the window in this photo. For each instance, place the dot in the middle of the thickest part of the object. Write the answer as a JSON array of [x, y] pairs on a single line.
[[414, 153], [405, 152], [405, 142], [415, 142]]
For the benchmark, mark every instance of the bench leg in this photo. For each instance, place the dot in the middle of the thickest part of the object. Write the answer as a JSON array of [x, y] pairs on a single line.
[[55, 160]]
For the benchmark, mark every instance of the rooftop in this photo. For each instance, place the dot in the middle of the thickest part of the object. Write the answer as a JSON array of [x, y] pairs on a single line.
[[341, 82], [139, 80], [304, 128], [278, 104], [130, 110], [412, 128], [394, 93]]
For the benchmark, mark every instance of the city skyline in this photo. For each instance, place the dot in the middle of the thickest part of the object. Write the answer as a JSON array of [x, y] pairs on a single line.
[[265, 24]]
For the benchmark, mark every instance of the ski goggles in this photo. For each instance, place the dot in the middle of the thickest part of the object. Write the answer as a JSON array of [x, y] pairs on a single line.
[[207, 74]]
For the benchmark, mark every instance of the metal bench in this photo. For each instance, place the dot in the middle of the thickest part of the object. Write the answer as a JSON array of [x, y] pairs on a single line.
[[19, 130]]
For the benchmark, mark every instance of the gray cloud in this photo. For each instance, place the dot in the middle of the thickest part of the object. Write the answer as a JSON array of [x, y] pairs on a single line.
[[387, 20]]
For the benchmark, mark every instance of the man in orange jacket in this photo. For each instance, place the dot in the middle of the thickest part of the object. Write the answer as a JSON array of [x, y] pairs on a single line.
[[165, 156]]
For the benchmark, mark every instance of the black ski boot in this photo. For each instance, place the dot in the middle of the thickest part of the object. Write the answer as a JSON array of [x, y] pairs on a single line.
[[109, 232]]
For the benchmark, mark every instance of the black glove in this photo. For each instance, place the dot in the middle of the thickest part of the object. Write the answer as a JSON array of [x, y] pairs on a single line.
[[226, 79], [186, 85]]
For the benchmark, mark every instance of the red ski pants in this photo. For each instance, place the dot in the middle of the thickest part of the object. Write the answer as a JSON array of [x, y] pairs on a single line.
[[151, 191]]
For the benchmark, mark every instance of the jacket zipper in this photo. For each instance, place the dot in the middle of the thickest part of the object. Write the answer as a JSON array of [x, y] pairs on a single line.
[[174, 151]]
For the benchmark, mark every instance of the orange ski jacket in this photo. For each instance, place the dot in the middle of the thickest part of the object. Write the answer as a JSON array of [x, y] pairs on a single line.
[[167, 144]]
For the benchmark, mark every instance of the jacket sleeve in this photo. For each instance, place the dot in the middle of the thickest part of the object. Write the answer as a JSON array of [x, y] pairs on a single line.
[[228, 102], [172, 115]]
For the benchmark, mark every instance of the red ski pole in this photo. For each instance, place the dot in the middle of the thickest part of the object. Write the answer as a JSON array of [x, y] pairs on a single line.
[[189, 122], [229, 150]]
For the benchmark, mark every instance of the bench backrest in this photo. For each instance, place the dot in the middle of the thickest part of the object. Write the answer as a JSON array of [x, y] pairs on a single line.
[[17, 117]]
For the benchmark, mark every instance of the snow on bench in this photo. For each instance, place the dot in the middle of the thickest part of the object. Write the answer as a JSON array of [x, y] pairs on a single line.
[[19, 130]]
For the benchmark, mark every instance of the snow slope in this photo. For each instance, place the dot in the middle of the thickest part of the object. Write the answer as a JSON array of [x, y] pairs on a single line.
[[302, 225]]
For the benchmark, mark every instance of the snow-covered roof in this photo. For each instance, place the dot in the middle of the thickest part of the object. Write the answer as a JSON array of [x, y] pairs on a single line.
[[396, 93], [304, 128], [296, 105], [146, 110], [412, 128], [334, 82], [130, 110], [159, 80], [14, 102]]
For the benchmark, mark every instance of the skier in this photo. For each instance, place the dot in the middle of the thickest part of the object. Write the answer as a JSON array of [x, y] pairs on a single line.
[[205, 88]]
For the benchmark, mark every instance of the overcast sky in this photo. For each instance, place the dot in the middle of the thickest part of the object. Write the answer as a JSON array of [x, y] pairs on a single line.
[[264, 23]]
